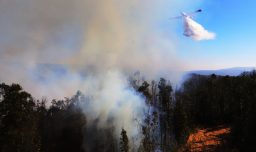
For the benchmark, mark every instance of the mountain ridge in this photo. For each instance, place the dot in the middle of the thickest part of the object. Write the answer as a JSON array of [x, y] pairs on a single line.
[[234, 71]]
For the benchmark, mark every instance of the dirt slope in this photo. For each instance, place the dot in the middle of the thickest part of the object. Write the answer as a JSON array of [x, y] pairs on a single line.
[[207, 139]]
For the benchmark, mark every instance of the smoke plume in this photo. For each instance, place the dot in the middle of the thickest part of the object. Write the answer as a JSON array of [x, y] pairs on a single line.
[[55, 47], [110, 101]]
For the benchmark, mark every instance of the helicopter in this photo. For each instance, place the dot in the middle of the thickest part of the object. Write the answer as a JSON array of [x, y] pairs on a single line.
[[183, 14], [192, 28]]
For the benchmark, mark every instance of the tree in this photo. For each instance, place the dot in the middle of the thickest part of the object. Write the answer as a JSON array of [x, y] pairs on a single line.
[[124, 142], [180, 121], [165, 108], [62, 126], [18, 120]]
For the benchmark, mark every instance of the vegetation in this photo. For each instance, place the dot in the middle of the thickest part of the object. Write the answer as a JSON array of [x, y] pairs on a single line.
[[124, 142], [27, 125]]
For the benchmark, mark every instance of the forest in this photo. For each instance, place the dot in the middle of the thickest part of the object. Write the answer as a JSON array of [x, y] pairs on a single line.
[[202, 101]]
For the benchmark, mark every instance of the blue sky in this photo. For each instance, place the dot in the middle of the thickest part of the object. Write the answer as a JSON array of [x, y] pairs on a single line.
[[234, 22]]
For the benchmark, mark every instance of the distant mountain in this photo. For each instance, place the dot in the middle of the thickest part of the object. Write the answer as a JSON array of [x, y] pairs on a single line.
[[229, 71]]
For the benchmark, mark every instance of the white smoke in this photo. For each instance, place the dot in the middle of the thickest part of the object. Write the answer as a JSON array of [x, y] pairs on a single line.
[[109, 99], [196, 31]]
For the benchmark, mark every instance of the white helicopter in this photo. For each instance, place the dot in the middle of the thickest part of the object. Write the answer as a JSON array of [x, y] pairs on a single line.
[[192, 28]]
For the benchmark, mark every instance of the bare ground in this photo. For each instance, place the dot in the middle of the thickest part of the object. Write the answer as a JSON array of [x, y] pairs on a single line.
[[207, 139]]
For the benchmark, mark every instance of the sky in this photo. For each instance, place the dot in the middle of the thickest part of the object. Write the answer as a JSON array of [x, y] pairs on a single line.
[[234, 24], [57, 44]]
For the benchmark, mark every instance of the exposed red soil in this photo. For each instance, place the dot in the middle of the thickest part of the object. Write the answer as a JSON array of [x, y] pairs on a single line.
[[206, 139]]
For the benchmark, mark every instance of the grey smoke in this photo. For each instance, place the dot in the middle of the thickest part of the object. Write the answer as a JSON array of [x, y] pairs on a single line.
[[55, 47]]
